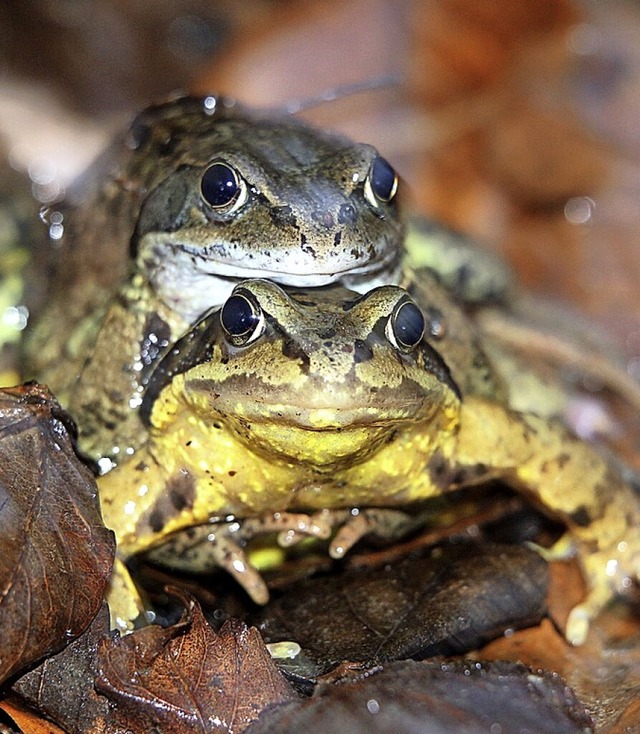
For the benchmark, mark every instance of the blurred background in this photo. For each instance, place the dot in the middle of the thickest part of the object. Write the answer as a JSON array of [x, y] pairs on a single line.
[[513, 121]]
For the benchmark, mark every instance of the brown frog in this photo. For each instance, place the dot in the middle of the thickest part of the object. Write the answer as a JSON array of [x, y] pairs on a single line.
[[198, 194]]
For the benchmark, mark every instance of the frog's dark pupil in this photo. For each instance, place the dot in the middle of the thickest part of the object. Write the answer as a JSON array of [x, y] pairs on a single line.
[[408, 325], [219, 185], [238, 316], [383, 179]]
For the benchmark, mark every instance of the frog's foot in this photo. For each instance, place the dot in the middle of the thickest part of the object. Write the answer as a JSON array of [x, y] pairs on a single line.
[[291, 527], [608, 573], [563, 549], [383, 523], [352, 525], [123, 598], [222, 544]]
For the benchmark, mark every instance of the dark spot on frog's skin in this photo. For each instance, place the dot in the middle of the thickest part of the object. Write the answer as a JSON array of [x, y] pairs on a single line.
[[362, 351], [348, 214], [179, 495], [232, 473], [581, 517], [463, 276], [562, 460], [166, 146], [337, 238], [327, 334], [181, 490], [141, 466], [283, 216], [451, 476], [156, 521], [307, 249], [293, 351]]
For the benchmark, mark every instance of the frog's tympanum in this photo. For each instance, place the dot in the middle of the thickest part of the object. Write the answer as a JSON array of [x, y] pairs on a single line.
[[291, 409], [200, 193]]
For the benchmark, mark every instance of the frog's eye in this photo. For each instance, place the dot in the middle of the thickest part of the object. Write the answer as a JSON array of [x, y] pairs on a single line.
[[382, 182], [242, 319], [405, 327], [223, 188]]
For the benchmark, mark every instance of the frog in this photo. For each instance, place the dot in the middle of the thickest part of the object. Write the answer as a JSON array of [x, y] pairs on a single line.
[[330, 413], [198, 193]]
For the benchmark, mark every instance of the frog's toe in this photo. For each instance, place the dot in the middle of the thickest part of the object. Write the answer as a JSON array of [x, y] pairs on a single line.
[[382, 522], [563, 549], [123, 598], [608, 573], [232, 559], [291, 527], [579, 619], [577, 627]]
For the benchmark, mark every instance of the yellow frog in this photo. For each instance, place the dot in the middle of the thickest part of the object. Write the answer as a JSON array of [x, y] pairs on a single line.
[[309, 410]]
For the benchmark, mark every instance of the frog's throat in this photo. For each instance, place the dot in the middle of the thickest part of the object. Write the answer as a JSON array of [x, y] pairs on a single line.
[[328, 439], [322, 448], [191, 280]]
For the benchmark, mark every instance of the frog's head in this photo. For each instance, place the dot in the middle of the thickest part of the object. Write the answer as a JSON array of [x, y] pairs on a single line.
[[232, 194], [322, 376]]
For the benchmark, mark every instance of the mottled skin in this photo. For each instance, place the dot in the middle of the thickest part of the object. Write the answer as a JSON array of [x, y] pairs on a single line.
[[322, 411], [143, 254]]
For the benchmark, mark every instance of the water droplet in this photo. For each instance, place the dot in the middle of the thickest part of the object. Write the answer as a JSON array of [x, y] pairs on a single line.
[[579, 209], [373, 707]]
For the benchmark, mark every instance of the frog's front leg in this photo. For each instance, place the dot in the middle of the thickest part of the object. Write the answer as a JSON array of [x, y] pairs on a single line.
[[202, 548], [571, 481]]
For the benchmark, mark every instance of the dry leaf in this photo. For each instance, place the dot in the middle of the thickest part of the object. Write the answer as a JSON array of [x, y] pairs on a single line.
[[448, 600], [188, 677], [55, 553]]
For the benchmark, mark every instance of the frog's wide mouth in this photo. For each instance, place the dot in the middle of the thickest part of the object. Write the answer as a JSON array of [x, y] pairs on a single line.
[[314, 271], [331, 417]]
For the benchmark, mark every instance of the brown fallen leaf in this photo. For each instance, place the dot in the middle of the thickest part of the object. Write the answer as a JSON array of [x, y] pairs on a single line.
[[442, 601], [28, 722], [188, 677], [435, 698], [62, 687], [55, 553]]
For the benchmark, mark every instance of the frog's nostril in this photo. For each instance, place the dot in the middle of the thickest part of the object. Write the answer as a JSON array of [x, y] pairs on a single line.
[[324, 219], [347, 214]]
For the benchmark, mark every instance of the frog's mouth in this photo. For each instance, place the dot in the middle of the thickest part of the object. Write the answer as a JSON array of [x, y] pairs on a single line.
[[321, 440], [191, 281], [327, 437]]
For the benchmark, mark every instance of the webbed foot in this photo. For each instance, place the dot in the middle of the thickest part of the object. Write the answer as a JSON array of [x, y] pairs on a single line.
[[353, 525], [608, 572], [222, 544]]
